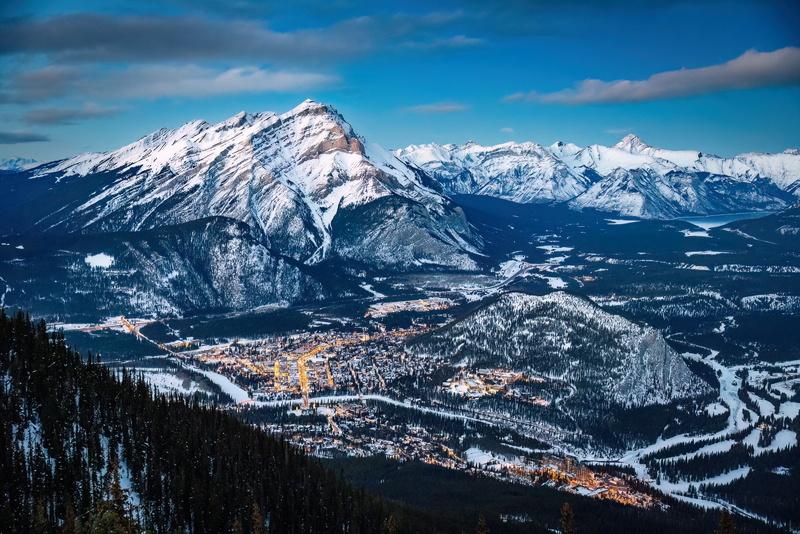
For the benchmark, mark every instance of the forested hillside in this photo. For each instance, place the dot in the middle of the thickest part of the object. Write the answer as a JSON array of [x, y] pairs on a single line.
[[87, 450]]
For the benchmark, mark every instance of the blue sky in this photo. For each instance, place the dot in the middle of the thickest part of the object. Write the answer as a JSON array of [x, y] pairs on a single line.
[[719, 76]]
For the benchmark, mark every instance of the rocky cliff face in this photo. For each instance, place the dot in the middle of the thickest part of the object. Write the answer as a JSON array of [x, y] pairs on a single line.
[[286, 176]]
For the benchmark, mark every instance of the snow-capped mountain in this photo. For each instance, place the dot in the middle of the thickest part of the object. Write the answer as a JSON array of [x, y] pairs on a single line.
[[524, 173], [17, 164], [567, 337], [630, 178], [304, 181]]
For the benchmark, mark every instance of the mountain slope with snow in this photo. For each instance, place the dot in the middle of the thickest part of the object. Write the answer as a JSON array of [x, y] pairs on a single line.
[[565, 336], [523, 173], [17, 164], [286, 176], [630, 178]]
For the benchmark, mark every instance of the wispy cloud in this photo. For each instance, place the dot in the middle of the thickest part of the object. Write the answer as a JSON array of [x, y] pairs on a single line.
[[42, 84], [55, 116], [95, 37], [509, 130], [751, 70], [148, 82], [440, 108], [443, 43], [617, 131], [17, 137], [156, 81]]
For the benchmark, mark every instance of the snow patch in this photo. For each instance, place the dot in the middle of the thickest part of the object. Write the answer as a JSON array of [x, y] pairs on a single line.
[[716, 408], [617, 222], [706, 253], [695, 233], [550, 249], [102, 260], [509, 268], [790, 410], [228, 387], [555, 282], [375, 294]]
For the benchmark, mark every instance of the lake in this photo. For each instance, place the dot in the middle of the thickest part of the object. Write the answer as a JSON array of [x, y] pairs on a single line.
[[712, 221]]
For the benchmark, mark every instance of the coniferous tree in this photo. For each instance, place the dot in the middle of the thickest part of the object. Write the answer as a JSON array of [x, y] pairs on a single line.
[[482, 528], [726, 524], [40, 525], [258, 520], [390, 525], [69, 527], [567, 521], [113, 514]]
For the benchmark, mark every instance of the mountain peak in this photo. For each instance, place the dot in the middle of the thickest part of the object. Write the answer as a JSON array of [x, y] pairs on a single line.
[[17, 164], [631, 143], [309, 106], [240, 119], [561, 148]]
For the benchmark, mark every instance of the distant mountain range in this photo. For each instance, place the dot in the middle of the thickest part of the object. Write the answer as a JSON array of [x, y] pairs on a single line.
[[17, 164], [631, 178], [263, 209]]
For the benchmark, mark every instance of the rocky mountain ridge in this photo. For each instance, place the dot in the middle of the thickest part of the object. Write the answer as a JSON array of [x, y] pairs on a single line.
[[631, 178], [10, 165], [290, 177]]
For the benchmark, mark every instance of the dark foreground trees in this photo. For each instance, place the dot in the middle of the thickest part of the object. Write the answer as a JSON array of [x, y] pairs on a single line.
[[84, 448], [567, 522], [726, 524]]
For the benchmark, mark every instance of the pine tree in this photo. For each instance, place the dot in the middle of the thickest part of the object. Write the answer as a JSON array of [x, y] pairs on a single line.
[[726, 524], [390, 526], [567, 523], [112, 515], [40, 525], [258, 520], [482, 528], [69, 521]]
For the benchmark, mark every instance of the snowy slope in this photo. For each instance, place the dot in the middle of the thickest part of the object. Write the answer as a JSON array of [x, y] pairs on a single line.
[[287, 176], [567, 337], [17, 164], [525, 172], [630, 178]]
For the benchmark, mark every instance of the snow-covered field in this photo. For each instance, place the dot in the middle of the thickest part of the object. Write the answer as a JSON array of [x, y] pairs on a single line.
[[728, 400], [165, 382], [617, 222], [695, 233], [102, 260], [228, 387], [705, 253]]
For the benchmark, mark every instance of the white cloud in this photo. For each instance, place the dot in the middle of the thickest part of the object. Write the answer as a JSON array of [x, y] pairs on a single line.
[[509, 130], [458, 41], [157, 81], [16, 137], [154, 81], [68, 115], [440, 108], [751, 70]]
